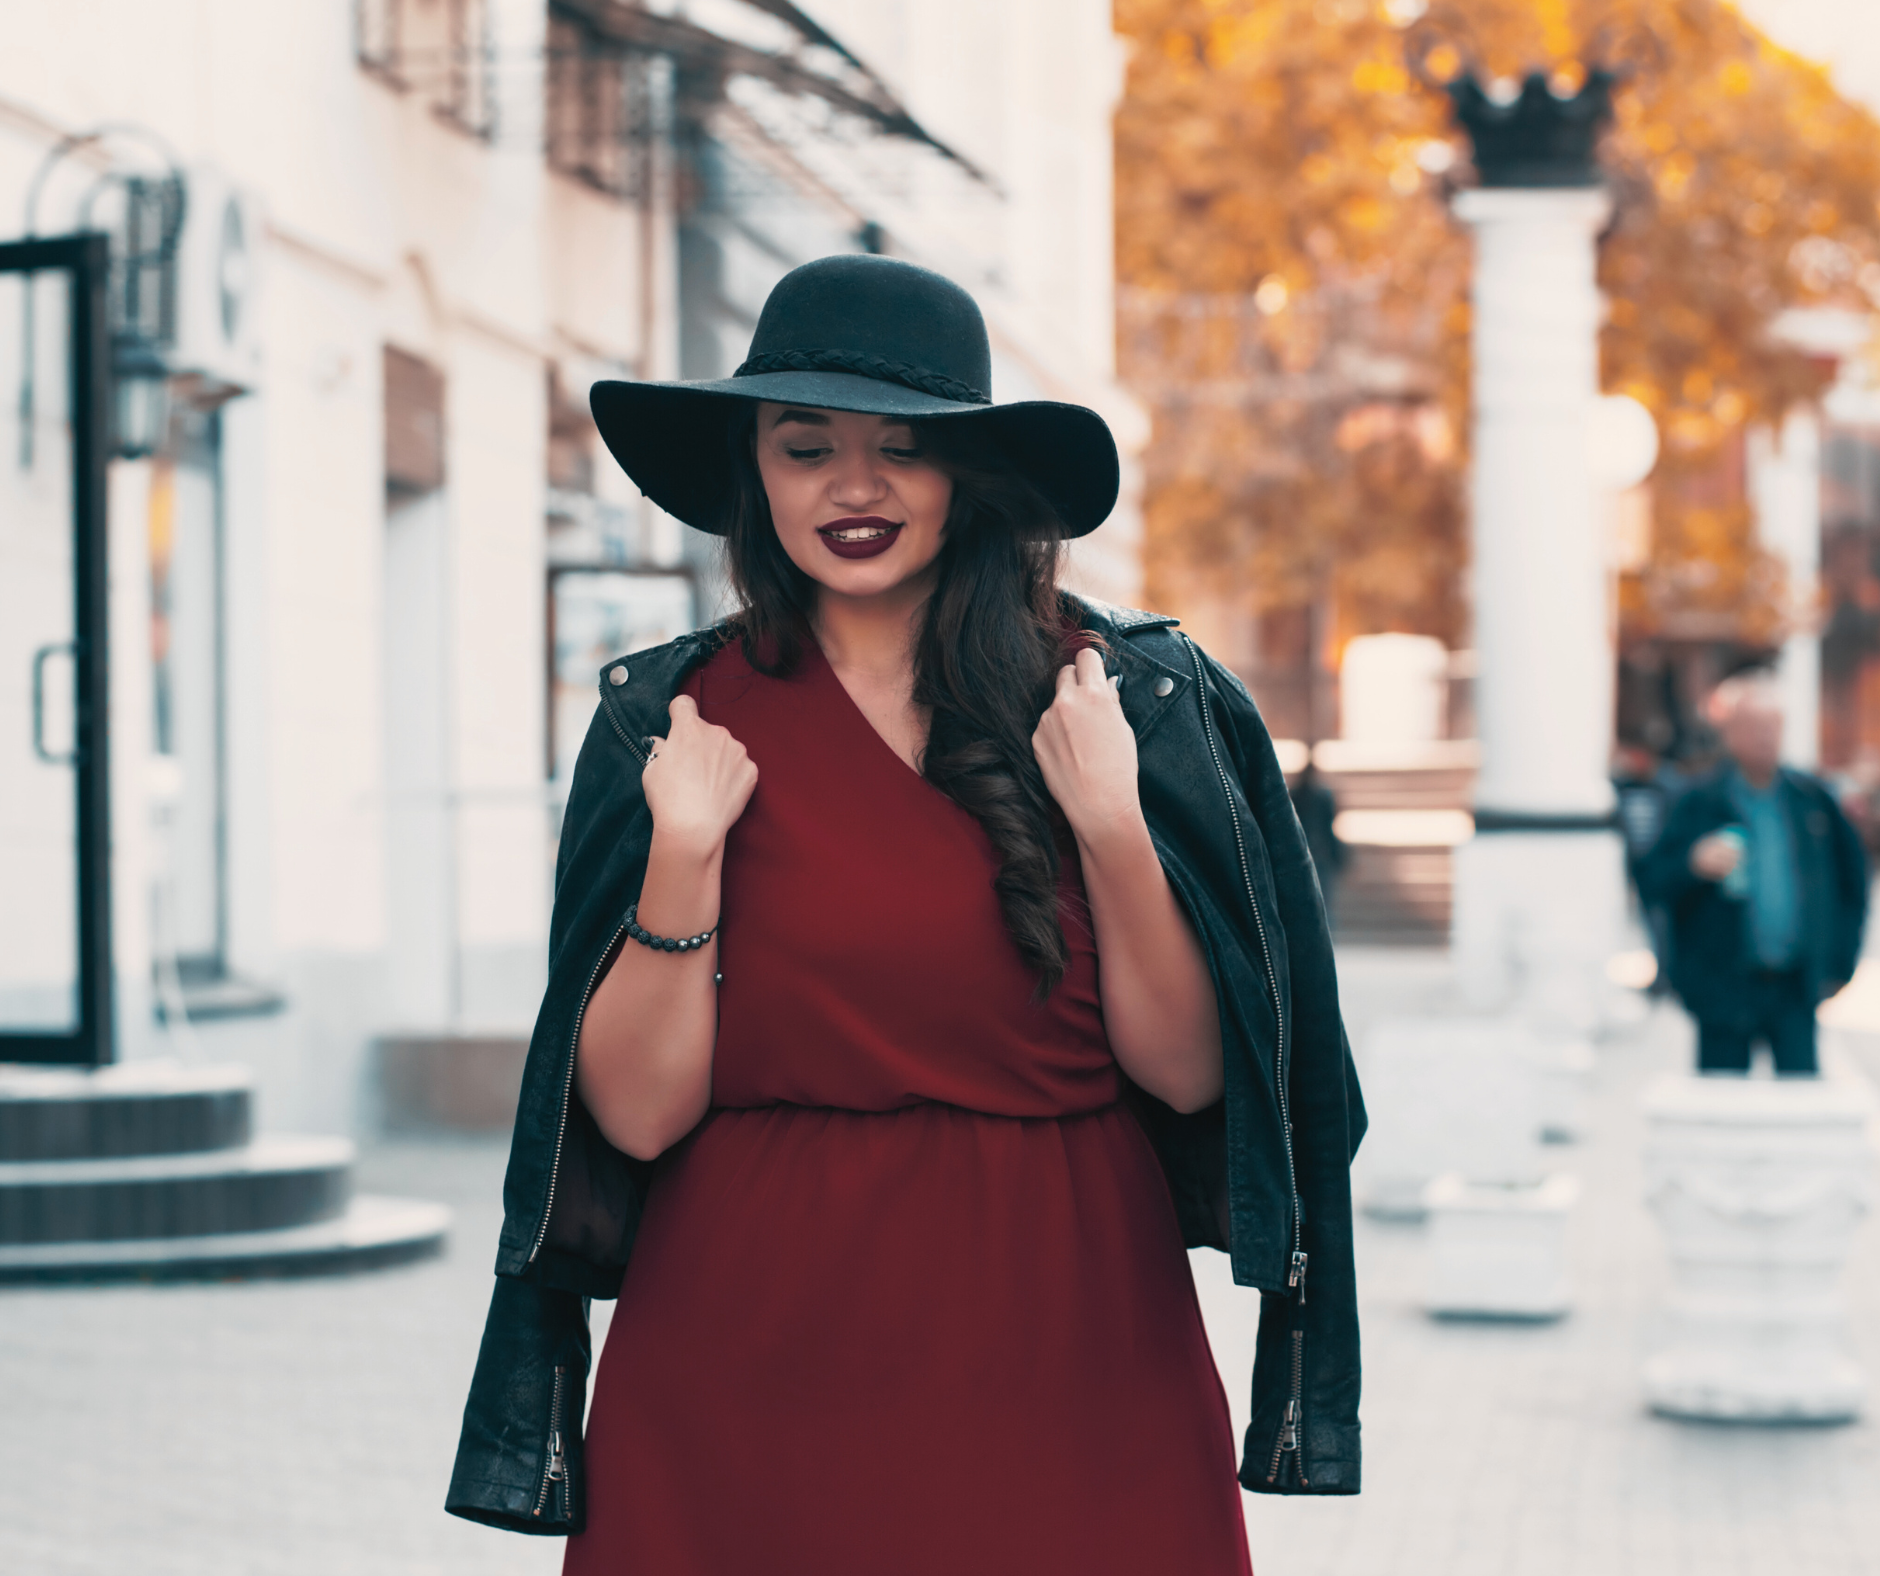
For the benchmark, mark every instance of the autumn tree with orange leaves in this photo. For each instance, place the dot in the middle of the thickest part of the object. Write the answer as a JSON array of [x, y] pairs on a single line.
[[1294, 293]]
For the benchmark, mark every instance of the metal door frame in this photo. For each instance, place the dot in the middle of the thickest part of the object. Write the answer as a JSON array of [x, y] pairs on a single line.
[[86, 258]]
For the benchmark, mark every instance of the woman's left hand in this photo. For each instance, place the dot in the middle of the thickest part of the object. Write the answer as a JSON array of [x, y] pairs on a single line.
[[1087, 752]]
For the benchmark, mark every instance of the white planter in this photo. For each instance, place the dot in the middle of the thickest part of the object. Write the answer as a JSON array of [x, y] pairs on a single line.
[[1759, 1186], [1498, 1252], [1564, 1070]]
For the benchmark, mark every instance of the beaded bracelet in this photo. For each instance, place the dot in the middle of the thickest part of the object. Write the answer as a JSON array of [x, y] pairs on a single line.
[[665, 943]]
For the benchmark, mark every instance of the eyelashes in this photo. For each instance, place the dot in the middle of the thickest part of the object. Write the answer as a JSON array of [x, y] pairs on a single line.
[[804, 456]]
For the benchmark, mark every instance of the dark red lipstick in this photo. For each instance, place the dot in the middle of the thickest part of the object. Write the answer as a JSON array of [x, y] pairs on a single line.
[[861, 536]]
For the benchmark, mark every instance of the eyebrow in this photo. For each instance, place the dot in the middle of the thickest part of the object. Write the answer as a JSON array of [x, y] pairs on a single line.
[[810, 418]]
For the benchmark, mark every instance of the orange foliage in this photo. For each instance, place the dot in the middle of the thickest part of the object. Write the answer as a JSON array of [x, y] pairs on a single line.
[[1288, 265]]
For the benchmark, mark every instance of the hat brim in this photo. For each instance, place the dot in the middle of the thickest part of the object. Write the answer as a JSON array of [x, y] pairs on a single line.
[[671, 437]]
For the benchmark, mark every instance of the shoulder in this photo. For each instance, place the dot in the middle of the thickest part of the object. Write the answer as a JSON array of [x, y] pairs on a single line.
[[1154, 635], [1106, 618], [1808, 785], [1819, 804], [667, 667]]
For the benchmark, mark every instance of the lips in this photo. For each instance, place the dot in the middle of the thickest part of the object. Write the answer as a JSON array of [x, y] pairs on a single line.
[[861, 536]]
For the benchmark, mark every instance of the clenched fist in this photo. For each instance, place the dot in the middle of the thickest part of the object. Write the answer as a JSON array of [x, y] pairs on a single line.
[[1087, 752], [698, 780]]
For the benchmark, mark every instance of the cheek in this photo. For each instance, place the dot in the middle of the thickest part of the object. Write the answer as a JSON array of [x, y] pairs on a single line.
[[929, 495], [785, 491]]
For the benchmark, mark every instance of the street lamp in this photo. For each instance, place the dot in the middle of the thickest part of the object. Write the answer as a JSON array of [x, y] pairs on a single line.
[[140, 396]]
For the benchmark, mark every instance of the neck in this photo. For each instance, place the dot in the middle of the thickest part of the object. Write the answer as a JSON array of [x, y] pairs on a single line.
[[871, 634], [1758, 777]]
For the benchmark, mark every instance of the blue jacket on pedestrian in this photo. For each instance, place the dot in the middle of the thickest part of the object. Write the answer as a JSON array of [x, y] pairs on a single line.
[[1713, 956]]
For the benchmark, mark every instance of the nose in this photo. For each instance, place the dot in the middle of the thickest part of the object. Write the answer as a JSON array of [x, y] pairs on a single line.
[[857, 481]]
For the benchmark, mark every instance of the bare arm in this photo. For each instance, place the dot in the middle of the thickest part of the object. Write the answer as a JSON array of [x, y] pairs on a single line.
[[644, 1062], [1158, 997]]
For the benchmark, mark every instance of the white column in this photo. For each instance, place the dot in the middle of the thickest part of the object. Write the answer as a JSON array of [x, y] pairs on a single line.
[[1538, 907], [1544, 696], [1785, 490]]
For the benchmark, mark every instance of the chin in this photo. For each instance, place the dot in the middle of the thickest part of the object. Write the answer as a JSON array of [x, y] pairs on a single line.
[[864, 577], [862, 585]]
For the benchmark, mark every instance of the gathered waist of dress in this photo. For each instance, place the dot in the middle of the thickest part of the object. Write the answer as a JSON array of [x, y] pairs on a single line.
[[916, 1103]]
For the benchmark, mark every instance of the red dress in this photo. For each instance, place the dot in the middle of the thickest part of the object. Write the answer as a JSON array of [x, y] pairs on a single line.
[[912, 1298]]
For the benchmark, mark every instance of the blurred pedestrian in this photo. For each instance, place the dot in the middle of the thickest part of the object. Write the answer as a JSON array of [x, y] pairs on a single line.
[[891, 1180], [1766, 884], [1317, 808]]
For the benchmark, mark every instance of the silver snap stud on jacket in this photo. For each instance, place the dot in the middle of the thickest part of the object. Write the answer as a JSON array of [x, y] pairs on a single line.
[[1164, 687], [617, 675]]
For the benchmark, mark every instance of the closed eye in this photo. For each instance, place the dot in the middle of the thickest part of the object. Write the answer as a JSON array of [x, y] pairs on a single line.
[[904, 455], [804, 454]]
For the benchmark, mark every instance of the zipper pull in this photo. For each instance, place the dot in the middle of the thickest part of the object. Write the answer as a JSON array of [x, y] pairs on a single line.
[[1296, 1276], [1289, 1430], [557, 1462]]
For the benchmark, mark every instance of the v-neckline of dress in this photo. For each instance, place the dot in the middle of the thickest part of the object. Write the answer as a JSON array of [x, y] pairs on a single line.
[[848, 700]]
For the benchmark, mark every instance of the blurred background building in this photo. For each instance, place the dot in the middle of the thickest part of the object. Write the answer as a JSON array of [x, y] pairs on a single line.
[[361, 589]]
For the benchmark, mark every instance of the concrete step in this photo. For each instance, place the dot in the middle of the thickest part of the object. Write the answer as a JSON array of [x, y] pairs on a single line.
[[135, 1108], [371, 1233], [271, 1183]]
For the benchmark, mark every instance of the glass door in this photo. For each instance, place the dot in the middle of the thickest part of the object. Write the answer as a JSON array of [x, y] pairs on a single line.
[[55, 969]]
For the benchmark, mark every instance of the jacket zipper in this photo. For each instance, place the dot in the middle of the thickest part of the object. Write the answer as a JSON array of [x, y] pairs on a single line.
[[574, 1046], [555, 1473], [1289, 1433], [1290, 1442], [639, 751]]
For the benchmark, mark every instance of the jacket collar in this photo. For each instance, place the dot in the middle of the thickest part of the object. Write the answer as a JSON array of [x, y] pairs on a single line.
[[638, 688], [1150, 688]]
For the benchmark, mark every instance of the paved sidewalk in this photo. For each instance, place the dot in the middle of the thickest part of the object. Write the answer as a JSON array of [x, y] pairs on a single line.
[[286, 1428], [307, 1427], [1523, 1450]]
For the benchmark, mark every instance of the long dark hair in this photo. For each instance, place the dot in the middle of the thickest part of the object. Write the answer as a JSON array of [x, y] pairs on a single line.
[[986, 654]]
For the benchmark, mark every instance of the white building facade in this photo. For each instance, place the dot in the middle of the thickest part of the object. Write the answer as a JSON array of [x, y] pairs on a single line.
[[359, 598]]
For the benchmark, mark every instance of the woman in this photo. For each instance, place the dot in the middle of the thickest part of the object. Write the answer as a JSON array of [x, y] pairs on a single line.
[[829, 1088]]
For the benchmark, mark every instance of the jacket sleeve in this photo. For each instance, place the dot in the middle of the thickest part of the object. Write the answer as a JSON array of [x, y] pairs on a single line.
[[1665, 876], [525, 1401], [1328, 1121], [1852, 876]]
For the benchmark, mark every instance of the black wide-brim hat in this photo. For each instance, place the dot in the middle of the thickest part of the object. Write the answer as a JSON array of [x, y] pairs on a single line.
[[860, 333]]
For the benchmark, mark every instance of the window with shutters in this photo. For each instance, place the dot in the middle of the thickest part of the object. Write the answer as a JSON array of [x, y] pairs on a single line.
[[594, 98], [442, 50]]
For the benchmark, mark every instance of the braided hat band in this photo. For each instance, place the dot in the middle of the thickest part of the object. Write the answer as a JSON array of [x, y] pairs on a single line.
[[864, 365]]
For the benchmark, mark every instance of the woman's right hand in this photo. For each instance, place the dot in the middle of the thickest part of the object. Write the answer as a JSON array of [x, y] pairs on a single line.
[[698, 779]]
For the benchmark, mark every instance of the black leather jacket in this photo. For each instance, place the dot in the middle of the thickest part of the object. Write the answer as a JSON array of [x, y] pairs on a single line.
[[1262, 1174]]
